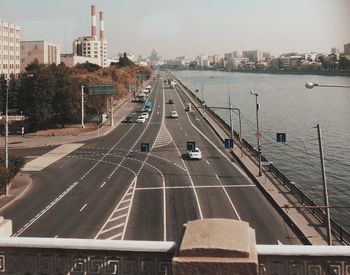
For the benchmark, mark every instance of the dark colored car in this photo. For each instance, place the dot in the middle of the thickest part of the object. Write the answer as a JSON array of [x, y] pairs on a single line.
[[171, 101], [128, 119]]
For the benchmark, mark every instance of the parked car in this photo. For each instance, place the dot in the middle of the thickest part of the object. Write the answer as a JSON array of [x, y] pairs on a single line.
[[141, 119], [173, 114], [128, 119], [194, 154], [145, 114], [171, 101]]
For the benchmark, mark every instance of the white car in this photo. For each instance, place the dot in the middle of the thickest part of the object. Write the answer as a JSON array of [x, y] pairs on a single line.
[[145, 114], [194, 154], [141, 119], [173, 114]]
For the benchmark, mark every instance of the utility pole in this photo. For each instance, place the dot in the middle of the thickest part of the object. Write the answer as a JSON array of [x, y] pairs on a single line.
[[7, 133], [82, 107], [257, 129], [327, 221]]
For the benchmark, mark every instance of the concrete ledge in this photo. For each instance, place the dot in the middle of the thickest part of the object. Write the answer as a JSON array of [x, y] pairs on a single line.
[[217, 246], [5, 227]]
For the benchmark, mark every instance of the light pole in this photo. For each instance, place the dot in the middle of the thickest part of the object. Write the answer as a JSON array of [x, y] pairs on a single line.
[[229, 100], [82, 107], [257, 128], [7, 130], [310, 85]]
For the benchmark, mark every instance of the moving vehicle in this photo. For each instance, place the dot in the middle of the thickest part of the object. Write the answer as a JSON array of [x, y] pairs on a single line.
[[171, 101], [128, 119], [147, 107], [174, 114], [145, 114], [141, 119], [194, 154], [188, 107]]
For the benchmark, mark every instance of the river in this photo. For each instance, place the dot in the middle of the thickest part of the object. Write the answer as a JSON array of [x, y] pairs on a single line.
[[287, 106]]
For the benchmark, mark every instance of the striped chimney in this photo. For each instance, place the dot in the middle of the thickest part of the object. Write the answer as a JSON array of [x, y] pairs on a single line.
[[102, 26], [93, 21]]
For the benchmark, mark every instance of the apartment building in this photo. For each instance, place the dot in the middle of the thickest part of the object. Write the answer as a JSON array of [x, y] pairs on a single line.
[[42, 51], [9, 49]]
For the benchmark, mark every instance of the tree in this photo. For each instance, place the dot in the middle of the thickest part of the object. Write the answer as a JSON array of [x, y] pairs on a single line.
[[3, 87], [90, 67], [124, 61]]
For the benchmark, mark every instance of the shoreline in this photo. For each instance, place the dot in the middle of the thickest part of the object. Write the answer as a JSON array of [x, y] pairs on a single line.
[[291, 72]]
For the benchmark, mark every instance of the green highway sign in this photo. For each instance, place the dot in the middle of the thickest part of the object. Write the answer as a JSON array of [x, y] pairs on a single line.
[[101, 89]]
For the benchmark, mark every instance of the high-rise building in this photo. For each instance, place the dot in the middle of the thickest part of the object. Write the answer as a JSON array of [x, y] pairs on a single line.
[[42, 51], [254, 55], [9, 49], [347, 49]]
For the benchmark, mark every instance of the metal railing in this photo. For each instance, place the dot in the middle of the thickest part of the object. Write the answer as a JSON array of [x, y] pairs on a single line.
[[337, 230]]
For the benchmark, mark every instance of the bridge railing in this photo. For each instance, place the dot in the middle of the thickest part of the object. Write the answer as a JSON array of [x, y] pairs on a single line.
[[83, 256], [338, 231]]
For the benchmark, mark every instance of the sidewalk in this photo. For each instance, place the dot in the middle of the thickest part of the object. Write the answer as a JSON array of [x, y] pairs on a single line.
[[278, 195], [17, 141]]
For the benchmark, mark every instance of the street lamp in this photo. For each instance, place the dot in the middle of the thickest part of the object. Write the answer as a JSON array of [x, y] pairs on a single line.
[[257, 128], [229, 101], [310, 85]]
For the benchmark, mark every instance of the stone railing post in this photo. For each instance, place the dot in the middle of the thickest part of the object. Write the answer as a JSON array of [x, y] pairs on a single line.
[[217, 246], [5, 227]]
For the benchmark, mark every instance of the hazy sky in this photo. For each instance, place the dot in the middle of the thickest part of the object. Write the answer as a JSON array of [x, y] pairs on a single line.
[[188, 27]]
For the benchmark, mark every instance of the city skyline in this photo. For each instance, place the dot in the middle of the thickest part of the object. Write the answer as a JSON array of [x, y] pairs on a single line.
[[189, 28]]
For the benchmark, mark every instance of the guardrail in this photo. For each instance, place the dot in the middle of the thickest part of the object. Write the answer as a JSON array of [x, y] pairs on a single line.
[[337, 230]]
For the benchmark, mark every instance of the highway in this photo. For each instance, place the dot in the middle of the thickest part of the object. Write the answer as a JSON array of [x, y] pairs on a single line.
[[109, 189]]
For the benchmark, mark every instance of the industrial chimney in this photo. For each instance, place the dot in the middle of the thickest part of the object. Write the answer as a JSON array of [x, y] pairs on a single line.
[[102, 26], [93, 21]]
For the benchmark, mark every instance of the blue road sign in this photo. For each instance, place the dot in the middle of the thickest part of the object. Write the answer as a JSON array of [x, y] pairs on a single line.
[[191, 145], [145, 147], [228, 143], [281, 137]]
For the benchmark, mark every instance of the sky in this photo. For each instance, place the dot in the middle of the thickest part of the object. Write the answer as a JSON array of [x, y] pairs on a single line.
[[188, 27]]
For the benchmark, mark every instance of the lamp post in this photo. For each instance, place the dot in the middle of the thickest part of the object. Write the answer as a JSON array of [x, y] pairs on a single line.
[[7, 129], [82, 107], [310, 85], [229, 101], [257, 129], [327, 221]]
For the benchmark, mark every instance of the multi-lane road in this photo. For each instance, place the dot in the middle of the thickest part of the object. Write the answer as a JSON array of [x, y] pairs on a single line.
[[108, 189]]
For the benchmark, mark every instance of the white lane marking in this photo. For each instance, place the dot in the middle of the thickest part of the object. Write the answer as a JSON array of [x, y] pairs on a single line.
[[112, 228], [207, 162], [20, 231], [81, 209], [103, 184], [197, 187], [127, 200], [217, 177], [279, 242], [229, 198], [117, 218], [56, 236], [114, 236], [121, 209]]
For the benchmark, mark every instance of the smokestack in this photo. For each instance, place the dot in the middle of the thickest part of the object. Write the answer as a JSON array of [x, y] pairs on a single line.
[[93, 21], [102, 26]]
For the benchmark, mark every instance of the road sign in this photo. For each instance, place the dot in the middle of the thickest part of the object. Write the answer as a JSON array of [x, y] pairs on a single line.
[[281, 137], [101, 89], [145, 147], [191, 145], [228, 143]]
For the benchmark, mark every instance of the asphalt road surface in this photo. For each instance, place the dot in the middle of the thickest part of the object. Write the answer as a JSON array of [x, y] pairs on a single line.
[[109, 189]]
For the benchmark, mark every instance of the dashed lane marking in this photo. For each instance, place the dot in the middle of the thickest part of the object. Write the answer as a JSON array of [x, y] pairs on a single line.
[[81, 209], [197, 187]]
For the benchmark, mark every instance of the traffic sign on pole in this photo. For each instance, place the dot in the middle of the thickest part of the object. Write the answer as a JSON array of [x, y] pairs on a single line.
[[228, 143], [145, 147], [281, 137]]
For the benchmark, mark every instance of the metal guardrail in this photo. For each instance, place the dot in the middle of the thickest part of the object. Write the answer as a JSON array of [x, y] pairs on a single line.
[[337, 230]]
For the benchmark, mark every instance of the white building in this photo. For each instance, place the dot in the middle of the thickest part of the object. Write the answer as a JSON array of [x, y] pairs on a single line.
[[89, 48], [9, 49], [42, 51]]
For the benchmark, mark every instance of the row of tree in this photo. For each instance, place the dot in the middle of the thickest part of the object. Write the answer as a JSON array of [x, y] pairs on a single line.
[[50, 96]]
